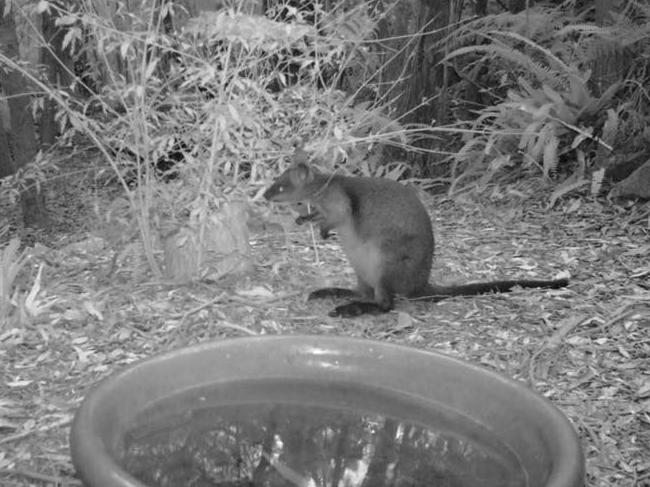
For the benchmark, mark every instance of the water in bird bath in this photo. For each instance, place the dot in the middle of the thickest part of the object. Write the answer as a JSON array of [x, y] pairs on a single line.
[[303, 433]]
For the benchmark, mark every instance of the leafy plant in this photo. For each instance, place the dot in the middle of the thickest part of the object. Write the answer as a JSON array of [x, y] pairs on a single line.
[[536, 126], [12, 261], [546, 108], [183, 117]]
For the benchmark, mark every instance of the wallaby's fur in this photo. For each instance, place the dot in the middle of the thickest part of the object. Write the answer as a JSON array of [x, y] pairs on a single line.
[[386, 234]]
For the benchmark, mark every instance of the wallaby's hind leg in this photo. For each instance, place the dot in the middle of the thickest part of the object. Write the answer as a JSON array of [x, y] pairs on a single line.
[[355, 308], [381, 302], [363, 296], [363, 291]]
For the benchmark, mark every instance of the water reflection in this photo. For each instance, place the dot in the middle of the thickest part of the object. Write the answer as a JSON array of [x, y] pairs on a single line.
[[275, 444]]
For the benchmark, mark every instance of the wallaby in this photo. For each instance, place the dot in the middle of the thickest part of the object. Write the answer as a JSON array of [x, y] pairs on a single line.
[[386, 234]]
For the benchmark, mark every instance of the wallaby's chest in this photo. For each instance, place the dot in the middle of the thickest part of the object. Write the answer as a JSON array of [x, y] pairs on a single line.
[[364, 256]]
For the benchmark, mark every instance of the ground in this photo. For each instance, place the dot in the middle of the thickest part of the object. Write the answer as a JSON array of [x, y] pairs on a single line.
[[586, 347]]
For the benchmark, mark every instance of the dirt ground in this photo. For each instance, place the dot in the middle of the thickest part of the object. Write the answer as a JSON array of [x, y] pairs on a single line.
[[586, 348]]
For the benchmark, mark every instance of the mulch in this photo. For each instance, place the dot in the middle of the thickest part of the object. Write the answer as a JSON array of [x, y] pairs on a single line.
[[586, 347]]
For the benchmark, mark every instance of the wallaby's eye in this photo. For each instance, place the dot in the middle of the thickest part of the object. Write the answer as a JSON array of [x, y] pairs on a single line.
[[280, 189]]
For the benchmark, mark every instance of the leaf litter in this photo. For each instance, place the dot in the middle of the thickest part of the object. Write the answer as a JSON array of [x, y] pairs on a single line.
[[586, 347]]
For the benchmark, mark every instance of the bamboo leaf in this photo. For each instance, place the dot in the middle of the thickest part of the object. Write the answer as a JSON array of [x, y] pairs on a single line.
[[550, 155]]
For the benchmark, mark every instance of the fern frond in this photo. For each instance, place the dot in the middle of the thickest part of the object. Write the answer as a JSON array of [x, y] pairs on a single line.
[[625, 32], [549, 55], [542, 73]]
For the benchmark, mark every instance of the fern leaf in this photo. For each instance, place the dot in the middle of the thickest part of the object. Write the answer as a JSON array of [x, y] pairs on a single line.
[[543, 112], [553, 95], [530, 135], [541, 72], [549, 55]]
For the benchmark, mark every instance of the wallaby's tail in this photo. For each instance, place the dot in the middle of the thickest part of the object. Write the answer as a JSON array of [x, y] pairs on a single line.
[[437, 293]]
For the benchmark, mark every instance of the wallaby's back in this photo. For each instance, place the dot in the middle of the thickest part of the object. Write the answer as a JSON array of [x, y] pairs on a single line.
[[391, 231]]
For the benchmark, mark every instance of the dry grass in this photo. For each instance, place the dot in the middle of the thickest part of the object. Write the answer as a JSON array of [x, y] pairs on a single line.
[[586, 348]]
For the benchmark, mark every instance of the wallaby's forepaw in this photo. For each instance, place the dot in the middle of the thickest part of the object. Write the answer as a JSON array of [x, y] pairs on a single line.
[[302, 219]]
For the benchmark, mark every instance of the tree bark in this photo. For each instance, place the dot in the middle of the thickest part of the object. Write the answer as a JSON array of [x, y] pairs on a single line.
[[516, 6], [23, 137], [415, 78], [59, 66], [603, 11], [6, 163], [414, 74]]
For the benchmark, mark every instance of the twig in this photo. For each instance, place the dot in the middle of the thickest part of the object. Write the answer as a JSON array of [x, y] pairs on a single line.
[[554, 341], [200, 307], [237, 327], [557, 337], [263, 301], [24, 434]]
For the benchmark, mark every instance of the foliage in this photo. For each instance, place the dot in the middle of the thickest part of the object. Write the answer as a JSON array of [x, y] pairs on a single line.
[[32, 175], [540, 124], [545, 108], [183, 118], [12, 261]]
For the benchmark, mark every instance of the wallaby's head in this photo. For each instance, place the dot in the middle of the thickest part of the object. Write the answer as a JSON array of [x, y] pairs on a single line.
[[300, 182], [294, 184]]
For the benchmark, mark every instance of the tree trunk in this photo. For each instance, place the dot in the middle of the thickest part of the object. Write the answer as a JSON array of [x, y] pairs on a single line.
[[23, 138], [603, 11], [59, 66], [413, 75], [6, 163], [415, 78], [516, 6]]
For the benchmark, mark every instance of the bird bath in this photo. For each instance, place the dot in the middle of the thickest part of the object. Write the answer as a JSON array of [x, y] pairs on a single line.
[[313, 411]]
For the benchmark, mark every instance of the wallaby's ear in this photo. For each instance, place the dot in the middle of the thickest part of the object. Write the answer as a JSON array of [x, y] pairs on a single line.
[[300, 155], [301, 174]]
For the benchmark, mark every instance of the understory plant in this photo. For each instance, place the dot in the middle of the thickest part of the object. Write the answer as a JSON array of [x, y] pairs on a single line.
[[548, 104], [191, 117], [12, 261]]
